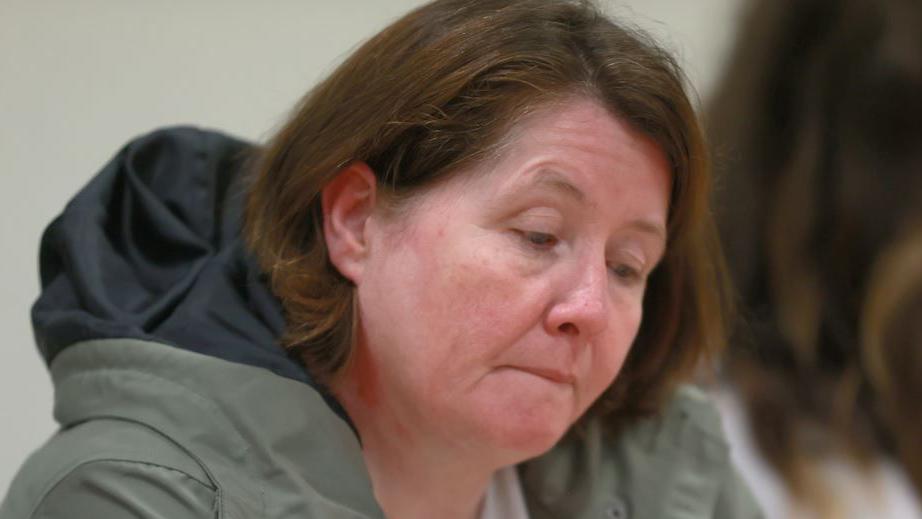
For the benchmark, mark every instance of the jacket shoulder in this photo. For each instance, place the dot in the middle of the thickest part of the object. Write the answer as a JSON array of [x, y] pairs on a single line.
[[111, 468], [688, 452], [674, 464], [694, 405]]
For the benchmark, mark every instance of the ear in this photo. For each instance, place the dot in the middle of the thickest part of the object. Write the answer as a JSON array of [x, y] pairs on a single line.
[[348, 201]]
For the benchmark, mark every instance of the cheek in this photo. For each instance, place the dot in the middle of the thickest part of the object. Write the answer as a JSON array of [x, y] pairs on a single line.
[[611, 352], [473, 291], [483, 301], [475, 300], [451, 301]]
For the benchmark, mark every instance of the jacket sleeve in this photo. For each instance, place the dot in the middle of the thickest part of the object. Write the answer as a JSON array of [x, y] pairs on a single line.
[[128, 489], [113, 469]]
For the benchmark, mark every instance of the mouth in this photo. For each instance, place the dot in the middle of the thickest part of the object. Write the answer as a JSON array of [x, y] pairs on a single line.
[[553, 375]]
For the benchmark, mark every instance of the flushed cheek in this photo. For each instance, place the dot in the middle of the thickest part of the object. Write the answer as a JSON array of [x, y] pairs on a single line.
[[609, 354], [478, 305], [604, 373]]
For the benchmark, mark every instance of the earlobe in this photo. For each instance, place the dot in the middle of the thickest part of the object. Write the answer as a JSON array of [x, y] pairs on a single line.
[[348, 201]]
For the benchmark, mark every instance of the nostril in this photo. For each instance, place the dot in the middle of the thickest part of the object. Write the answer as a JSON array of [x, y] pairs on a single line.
[[568, 328]]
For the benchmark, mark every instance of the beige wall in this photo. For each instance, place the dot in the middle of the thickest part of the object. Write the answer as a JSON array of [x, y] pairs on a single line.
[[77, 79]]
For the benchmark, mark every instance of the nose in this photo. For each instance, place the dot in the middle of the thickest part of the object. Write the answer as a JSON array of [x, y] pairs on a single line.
[[583, 304]]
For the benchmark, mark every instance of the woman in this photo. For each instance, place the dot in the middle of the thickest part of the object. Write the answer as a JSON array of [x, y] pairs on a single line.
[[818, 126], [484, 216]]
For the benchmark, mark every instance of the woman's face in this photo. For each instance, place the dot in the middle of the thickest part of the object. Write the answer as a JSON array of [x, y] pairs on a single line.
[[501, 303]]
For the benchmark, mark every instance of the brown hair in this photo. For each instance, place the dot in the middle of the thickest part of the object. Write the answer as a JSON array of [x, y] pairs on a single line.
[[818, 124], [434, 93]]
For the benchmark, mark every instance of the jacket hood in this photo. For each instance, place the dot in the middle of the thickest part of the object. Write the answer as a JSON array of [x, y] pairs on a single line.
[[151, 249]]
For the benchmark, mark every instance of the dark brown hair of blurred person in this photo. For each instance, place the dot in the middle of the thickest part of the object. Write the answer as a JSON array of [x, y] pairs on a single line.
[[435, 93], [817, 132]]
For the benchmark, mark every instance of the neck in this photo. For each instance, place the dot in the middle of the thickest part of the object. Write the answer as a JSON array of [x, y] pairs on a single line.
[[414, 474], [419, 482]]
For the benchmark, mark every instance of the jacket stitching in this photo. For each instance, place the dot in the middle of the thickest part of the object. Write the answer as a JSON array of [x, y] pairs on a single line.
[[64, 474]]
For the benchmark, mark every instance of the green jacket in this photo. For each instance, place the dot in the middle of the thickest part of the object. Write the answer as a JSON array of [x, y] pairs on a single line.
[[175, 401], [154, 431]]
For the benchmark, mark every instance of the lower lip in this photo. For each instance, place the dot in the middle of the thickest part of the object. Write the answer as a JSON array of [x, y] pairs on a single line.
[[551, 376]]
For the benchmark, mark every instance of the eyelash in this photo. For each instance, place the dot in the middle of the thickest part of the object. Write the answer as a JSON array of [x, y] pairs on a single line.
[[542, 241], [539, 240], [628, 274]]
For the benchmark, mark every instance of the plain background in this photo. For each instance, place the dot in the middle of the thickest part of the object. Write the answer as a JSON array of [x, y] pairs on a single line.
[[78, 79]]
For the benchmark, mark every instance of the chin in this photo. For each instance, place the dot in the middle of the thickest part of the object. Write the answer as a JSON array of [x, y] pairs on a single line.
[[525, 424], [529, 437]]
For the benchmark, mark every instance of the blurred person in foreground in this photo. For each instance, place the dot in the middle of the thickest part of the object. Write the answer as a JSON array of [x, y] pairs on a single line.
[[817, 132], [478, 267]]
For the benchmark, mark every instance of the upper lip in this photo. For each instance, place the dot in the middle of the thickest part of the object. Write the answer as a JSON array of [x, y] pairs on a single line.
[[552, 374]]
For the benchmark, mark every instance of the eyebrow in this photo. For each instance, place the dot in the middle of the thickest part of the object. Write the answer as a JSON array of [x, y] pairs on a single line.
[[649, 227], [548, 178]]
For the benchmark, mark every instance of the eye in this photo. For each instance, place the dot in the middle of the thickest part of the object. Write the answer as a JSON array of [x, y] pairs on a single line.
[[539, 240], [627, 273]]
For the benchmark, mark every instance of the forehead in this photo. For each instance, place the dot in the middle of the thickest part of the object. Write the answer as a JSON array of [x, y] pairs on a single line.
[[576, 146], [575, 149], [583, 124]]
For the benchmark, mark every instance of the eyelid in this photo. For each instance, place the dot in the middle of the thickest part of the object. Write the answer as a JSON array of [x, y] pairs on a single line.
[[542, 212], [632, 259], [543, 220]]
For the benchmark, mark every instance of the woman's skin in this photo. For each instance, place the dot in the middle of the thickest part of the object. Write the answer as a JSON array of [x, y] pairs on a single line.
[[496, 307]]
